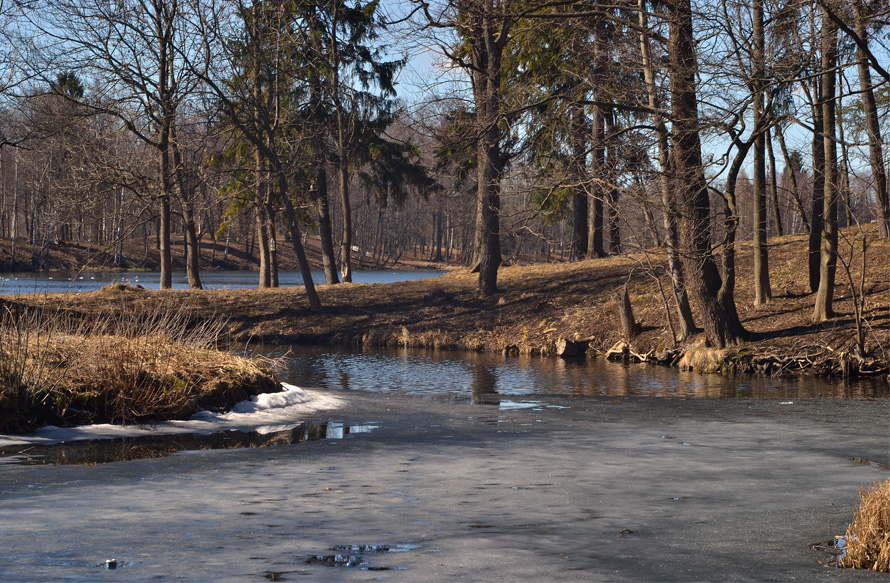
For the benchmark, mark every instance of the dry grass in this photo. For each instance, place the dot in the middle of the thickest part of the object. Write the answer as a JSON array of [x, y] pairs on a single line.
[[703, 359], [121, 368], [868, 537]]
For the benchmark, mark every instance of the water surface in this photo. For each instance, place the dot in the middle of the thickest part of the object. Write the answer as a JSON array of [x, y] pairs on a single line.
[[490, 378], [87, 281]]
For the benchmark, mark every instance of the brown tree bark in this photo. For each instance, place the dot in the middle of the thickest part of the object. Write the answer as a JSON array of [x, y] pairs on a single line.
[[717, 304], [668, 203], [762, 291], [818, 203], [487, 26], [264, 252], [872, 123], [823, 309], [630, 329]]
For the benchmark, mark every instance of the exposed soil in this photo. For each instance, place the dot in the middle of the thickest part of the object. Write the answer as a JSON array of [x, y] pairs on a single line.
[[541, 304]]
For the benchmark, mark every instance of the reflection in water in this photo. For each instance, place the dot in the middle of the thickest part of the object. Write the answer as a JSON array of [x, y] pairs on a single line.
[[99, 451], [479, 378], [484, 382]]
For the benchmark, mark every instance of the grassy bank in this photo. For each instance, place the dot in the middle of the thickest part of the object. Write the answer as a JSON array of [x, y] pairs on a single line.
[[541, 304], [57, 367]]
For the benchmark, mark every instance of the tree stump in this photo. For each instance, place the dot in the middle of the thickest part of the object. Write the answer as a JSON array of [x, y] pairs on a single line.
[[566, 348], [629, 327]]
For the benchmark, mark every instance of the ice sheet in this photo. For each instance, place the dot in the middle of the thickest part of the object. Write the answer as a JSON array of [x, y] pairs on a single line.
[[264, 413]]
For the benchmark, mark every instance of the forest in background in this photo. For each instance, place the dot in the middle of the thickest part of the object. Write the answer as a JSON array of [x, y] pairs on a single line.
[[542, 131]]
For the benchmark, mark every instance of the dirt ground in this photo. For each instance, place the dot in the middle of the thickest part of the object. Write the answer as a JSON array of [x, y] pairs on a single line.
[[541, 304]]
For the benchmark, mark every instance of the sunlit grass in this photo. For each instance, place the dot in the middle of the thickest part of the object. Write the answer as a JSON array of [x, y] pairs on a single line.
[[868, 537], [57, 367]]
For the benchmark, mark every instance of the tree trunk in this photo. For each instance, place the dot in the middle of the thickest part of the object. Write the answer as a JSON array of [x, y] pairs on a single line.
[[762, 291], [566, 348], [296, 240], [488, 35], [191, 254], [15, 211], [598, 181], [439, 235], [669, 206], [265, 258], [818, 202], [823, 309], [614, 192], [629, 327], [720, 319], [164, 241], [273, 246], [873, 125], [346, 245], [325, 231]]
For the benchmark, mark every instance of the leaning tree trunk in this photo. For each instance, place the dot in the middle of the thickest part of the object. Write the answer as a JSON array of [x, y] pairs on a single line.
[[296, 240]]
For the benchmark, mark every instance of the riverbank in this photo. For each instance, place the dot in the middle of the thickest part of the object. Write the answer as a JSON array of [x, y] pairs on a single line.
[[540, 305]]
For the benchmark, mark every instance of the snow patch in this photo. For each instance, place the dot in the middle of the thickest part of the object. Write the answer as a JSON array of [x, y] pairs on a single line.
[[264, 413]]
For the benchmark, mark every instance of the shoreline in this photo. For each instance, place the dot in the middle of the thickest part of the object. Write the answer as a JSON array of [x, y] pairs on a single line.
[[543, 308]]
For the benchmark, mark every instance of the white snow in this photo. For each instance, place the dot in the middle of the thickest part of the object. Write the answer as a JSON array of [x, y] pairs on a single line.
[[263, 413]]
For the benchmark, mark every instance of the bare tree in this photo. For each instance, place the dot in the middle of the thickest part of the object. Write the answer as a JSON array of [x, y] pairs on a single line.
[[136, 51]]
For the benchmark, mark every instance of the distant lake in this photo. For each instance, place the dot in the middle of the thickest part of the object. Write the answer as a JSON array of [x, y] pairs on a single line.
[[87, 281]]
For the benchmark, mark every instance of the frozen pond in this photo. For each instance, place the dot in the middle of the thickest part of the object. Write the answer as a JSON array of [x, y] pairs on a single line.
[[425, 467], [86, 281], [574, 489]]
